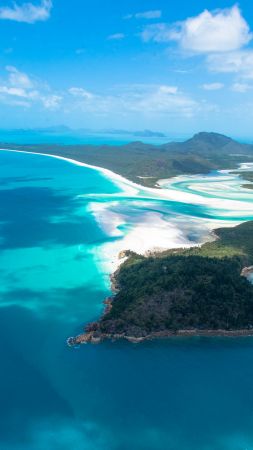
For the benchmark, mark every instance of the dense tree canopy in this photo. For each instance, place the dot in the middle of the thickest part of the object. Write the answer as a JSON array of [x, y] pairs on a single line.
[[186, 290]]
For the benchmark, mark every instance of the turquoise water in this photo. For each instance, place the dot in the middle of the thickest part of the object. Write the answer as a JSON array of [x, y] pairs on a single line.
[[179, 394]]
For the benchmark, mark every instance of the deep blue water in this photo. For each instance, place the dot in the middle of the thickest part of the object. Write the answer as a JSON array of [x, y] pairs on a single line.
[[178, 394]]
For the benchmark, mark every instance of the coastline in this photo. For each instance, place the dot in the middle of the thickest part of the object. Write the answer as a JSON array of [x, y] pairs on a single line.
[[168, 194], [91, 337], [154, 232], [113, 176]]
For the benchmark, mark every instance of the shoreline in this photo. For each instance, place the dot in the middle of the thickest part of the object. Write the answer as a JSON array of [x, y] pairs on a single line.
[[166, 234], [247, 271], [91, 337], [158, 192], [113, 176]]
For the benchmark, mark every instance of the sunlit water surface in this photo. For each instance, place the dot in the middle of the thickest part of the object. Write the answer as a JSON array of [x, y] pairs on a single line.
[[60, 228]]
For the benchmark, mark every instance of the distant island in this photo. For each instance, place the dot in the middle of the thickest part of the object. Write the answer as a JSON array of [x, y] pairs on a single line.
[[144, 133], [63, 129], [200, 291], [146, 163]]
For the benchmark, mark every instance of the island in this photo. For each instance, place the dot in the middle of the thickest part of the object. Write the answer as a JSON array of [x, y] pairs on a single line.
[[145, 164], [201, 291]]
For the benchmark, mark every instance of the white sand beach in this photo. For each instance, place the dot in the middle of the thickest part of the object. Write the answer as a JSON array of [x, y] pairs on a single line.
[[154, 230]]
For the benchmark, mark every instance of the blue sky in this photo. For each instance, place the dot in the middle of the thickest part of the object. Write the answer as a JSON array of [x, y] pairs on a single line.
[[178, 67]]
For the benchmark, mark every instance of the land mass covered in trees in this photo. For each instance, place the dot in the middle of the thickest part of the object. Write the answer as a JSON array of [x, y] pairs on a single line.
[[145, 163], [198, 291]]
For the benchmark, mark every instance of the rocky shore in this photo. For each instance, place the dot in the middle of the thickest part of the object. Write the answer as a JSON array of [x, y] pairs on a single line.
[[121, 326], [96, 338], [93, 335], [247, 271]]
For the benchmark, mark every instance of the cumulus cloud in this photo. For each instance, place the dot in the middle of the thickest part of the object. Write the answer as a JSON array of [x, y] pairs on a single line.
[[21, 90], [27, 12], [212, 86], [152, 14], [116, 37], [216, 31]]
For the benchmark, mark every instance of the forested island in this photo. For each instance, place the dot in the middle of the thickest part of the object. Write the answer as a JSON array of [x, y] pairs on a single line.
[[198, 291], [146, 164]]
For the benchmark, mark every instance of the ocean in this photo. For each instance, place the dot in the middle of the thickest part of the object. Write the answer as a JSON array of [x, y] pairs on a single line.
[[75, 137], [61, 227]]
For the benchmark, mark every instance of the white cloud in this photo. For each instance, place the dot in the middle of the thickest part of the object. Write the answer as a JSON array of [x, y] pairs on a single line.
[[27, 12], [17, 78], [152, 14], [159, 32], [80, 93], [173, 90], [142, 99], [116, 37], [17, 92], [218, 31], [241, 87], [51, 101], [212, 86], [240, 62], [20, 86]]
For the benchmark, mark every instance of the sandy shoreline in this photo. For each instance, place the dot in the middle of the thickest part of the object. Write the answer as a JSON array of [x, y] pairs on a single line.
[[153, 230], [132, 188]]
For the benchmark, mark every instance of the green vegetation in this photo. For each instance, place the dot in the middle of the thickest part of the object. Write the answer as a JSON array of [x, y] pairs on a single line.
[[230, 242], [201, 288], [201, 154], [248, 176]]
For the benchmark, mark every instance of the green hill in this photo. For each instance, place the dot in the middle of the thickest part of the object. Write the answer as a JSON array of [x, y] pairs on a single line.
[[200, 289]]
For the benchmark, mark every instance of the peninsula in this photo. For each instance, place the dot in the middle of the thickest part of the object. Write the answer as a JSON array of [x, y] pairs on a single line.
[[199, 291]]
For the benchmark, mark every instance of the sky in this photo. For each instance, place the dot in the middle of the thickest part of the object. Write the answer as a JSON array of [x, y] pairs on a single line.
[[174, 66]]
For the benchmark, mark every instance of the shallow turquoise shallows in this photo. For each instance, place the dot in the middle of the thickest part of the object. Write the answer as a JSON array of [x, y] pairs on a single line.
[[177, 394]]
